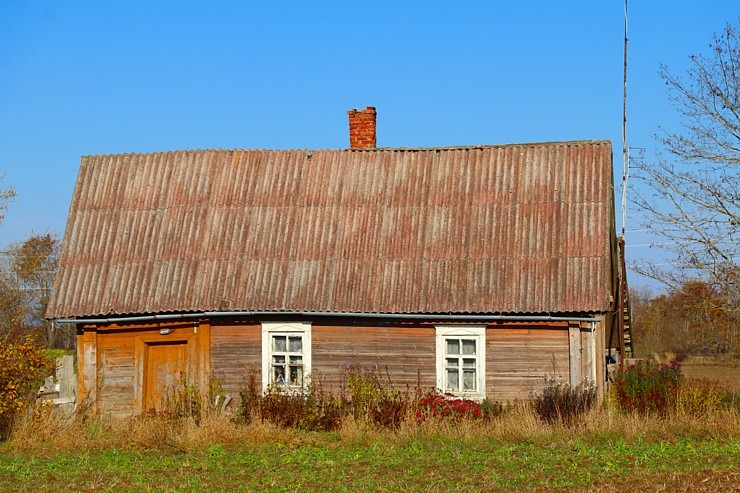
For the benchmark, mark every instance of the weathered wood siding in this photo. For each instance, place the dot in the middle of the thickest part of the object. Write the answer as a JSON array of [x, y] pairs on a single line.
[[407, 351], [229, 350], [236, 353], [111, 375], [600, 356], [520, 356], [116, 370]]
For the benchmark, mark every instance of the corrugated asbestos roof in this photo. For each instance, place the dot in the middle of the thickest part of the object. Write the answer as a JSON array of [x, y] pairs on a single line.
[[490, 229]]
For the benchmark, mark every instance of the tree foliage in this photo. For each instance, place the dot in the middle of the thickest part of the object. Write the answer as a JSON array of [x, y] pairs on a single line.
[[25, 287], [694, 194], [694, 318], [23, 366]]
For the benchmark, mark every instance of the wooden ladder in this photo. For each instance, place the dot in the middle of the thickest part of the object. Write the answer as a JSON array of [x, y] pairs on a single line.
[[626, 347]]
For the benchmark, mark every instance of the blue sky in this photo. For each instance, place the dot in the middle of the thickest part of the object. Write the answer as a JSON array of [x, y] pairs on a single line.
[[84, 77]]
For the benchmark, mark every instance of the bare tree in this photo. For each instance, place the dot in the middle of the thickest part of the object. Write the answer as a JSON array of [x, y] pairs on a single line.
[[693, 195], [7, 195]]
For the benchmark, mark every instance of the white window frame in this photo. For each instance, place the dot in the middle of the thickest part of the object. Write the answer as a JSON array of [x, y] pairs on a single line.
[[475, 332], [270, 329]]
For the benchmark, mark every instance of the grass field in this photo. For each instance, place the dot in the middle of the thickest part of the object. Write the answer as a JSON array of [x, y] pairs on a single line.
[[609, 453], [406, 465], [606, 451], [724, 372]]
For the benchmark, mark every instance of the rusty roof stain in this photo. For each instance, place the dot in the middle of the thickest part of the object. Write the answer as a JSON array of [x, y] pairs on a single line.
[[522, 228]]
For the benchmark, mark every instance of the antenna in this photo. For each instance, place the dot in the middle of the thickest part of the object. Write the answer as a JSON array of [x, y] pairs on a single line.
[[625, 149]]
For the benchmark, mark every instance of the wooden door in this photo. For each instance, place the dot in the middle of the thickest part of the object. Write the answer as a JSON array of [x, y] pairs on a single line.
[[165, 372]]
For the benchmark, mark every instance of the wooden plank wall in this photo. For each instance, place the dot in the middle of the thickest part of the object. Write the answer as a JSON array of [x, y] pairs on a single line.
[[519, 357], [236, 353], [116, 373], [109, 375], [407, 351]]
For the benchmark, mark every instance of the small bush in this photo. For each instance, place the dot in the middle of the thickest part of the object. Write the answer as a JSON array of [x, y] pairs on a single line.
[[374, 398], [286, 409], [649, 388], [314, 409], [250, 397], [365, 396], [392, 410], [327, 410], [364, 388], [446, 407], [23, 367], [492, 409], [700, 397], [559, 403]]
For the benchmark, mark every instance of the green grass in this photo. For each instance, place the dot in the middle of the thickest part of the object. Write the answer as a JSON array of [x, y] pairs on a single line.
[[324, 462]]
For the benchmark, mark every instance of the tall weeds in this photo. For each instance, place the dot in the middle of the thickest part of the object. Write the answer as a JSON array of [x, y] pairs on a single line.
[[365, 394], [559, 403], [367, 408], [520, 423], [649, 388]]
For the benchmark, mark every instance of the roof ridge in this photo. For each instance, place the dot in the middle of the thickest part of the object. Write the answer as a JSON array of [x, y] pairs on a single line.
[[371, 149]]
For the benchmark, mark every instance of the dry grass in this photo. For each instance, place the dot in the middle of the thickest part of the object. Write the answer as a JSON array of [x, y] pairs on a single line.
[[55, 434], [689, 450], [41, 432], [608, 451]]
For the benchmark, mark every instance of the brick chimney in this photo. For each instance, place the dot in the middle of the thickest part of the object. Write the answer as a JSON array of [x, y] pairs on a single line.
[[362, 128]]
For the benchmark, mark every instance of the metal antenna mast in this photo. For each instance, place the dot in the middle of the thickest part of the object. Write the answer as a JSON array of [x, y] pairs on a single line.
[[625, 149]]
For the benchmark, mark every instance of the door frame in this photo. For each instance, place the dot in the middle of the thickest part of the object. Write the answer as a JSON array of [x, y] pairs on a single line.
[[141, 348]]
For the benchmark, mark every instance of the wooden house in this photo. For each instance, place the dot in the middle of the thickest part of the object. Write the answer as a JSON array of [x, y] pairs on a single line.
[[479, 270]]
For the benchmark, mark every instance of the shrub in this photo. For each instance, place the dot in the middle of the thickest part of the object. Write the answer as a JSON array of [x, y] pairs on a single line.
[[364, 388], [492, 409], [446, 407], [328, 410], [561, 403], [649, 388], [374, 398], [392, 409], [286, 409], [250, 398], [700, 397], [365, 395], [23, 367], [313, 409]]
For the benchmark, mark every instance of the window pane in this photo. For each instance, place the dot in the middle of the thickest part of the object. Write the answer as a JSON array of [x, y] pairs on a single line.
[[453, 346], [278, 359], [469, 362], [468, 346], [278, 375], [296, 360], [453, 378], [296, 375], [452, 362], [469, 380], [278, 343], [295, 344]]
